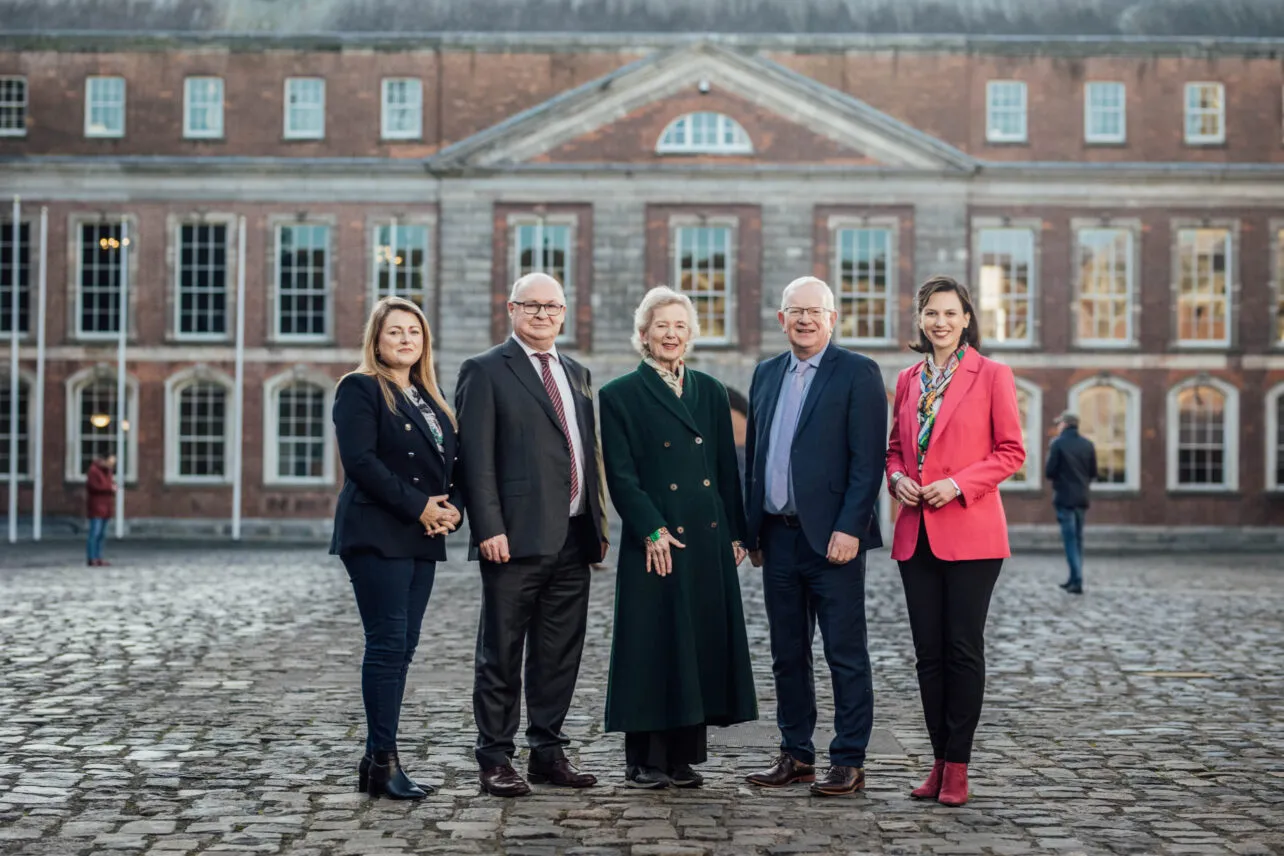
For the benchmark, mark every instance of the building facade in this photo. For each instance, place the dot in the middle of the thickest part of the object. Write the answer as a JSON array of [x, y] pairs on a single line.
[[1115, 204]]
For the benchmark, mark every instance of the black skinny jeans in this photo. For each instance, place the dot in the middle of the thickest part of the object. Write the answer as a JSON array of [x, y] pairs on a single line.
[[948, 603]]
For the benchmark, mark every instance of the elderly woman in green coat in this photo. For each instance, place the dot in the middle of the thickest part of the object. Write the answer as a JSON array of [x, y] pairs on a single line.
[[679, 655]]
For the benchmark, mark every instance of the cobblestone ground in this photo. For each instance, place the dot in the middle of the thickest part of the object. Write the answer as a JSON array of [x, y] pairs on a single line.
[[206, 700]]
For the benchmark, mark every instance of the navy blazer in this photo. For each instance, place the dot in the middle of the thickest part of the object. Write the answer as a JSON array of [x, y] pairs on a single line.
[[391, 467], [838, 450]]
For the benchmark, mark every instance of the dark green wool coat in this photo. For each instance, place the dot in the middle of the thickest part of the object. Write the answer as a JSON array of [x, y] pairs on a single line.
[[679, 655]]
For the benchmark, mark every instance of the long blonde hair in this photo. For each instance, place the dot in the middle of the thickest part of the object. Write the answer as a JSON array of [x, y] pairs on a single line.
[[422, 372]]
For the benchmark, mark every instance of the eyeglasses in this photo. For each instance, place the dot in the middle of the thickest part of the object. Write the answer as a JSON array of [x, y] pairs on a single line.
[[552, 310], [816, 312]]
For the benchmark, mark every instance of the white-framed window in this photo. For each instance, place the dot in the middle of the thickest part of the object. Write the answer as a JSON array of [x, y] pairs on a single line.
[[203, 107], [1275, 438], [1106, 285], [304, 108], [1006, 275], [198, 427], [864, 277], [547, 244], [297, 431], [1204, 273], [201, 281], [1105, 116], [704, 270], [1005, 111], [98, 277], [1205, 113], [1109, 411], [1030, 408], [1203, 435], [23, 426], [303, 281], [105, 107], [7, 250], [401, 260], [91, 422], [704, 133], [13, 106], [403, 108]]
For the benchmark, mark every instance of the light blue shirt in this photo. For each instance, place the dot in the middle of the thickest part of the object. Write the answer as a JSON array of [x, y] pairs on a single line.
[[779, 483]]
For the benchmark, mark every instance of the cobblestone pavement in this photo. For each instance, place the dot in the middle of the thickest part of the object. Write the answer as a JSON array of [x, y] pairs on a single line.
[[206, 700]]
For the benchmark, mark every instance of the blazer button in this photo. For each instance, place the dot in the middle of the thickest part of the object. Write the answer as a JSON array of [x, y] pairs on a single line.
[[407, 426], [673, 487], [415, 479], [681, 530], [412, 454], [713, 525], [667, 444], [707, 482], [699, 440]]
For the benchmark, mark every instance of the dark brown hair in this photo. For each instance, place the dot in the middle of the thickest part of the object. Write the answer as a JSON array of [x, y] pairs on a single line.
[[936, 285]]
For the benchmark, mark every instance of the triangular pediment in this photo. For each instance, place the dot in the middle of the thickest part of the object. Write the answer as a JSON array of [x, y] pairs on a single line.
[[791, 119]]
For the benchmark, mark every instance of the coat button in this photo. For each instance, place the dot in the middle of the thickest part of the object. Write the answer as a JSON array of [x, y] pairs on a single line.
[[699, 440], [673, 487], [707, 482], [713, 525], [412, 454], [407, 426], [415, 479], [667, 444], [681, 530]]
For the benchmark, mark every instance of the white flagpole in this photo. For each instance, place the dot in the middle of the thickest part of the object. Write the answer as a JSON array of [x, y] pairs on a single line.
[[392, 257], [238, 392], [13, 375], [121, 387], [38, 447]]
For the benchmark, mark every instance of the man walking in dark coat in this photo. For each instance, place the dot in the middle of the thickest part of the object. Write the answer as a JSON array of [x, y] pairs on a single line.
[[1071, 467]]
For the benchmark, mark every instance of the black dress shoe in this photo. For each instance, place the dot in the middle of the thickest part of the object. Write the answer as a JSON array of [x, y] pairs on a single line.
[[363, 777], [561, 773], [840, 780], [683, 776], [650, 778], [503, 781], [387, 778], [1064, 585], [1074, 589]]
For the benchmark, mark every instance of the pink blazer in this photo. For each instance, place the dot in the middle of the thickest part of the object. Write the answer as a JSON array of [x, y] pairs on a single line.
[[977, 442]]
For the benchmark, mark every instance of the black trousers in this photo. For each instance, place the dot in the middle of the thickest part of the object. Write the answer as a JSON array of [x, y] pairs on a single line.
[[948, 603], [665, 750], [539, 607]]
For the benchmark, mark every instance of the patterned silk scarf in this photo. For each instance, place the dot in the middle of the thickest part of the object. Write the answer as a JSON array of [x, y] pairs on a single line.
[[673, 380], [933, 381]]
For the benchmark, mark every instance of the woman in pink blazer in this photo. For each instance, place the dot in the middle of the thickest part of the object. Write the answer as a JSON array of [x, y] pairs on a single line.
[[956, 434]]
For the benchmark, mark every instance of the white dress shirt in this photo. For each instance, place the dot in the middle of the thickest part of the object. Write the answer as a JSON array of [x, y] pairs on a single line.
[[568, 407]]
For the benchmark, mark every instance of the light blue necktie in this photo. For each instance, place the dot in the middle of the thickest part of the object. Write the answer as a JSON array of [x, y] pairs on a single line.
[[782, 437]]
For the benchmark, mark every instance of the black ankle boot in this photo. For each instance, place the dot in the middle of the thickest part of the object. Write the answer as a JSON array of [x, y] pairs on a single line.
[[363, 777], [386, 777]]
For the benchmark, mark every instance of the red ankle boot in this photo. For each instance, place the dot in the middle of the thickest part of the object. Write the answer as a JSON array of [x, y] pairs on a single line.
[[953, 785], [929, 789]]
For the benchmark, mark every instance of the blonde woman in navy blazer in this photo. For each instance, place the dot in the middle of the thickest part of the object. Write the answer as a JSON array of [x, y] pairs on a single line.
[[397, 443]]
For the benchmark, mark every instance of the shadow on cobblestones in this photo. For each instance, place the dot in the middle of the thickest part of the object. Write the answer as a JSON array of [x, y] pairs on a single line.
[[194, 700]]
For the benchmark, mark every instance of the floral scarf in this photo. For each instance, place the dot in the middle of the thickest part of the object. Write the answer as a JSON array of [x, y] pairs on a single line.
[[673, 380], [933, 381]]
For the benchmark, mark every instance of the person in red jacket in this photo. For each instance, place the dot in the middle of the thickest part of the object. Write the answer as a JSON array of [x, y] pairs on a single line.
[[956, 434], [100, 492]]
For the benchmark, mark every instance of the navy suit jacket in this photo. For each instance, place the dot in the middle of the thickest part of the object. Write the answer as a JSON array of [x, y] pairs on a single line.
[[838, 452]]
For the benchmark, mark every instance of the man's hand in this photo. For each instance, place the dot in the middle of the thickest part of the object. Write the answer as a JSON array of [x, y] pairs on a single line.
[[842, 548], [658, 556], [755, 558], [738, 552], [939, 493], [495, 549], [908, 491]]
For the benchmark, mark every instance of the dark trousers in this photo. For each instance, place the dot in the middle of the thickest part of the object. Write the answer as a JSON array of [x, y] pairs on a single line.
[[94, 541], [392, 595], [802, 589], [948, 603], [1071, 521], [539, 606], [666, 750]]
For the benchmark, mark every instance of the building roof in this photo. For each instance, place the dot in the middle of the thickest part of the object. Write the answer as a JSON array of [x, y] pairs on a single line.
[[358, 20]]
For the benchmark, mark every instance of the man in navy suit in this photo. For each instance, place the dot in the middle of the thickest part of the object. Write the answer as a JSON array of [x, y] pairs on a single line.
[[814, 457]]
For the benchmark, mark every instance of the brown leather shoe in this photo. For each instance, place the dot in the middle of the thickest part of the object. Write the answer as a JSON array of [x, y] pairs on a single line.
[[839, 781], [503, 781], [785, 770], [561, 773]]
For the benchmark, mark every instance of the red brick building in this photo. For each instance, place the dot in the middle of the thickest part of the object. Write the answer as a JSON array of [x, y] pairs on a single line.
[[1109, 185]]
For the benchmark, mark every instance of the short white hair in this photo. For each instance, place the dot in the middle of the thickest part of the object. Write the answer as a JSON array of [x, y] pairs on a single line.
[[528, 279], [807, 280], [654, 299]]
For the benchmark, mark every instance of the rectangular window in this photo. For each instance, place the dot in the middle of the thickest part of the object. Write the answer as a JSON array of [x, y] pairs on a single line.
[[304, 108], [401, 261], [1201, 437], [300, 431], [7, 429], [105, 107], [1006, 278], [201, 290], [203, 107], [1104, 113], [7, 249], [403, 112], [703, 269], [866, 285], [302, 281], [1203, 286], [202, 431], [1104, 268], [1205, 113], [1005, 114], [96, 437], [1025, 411], [99, 276], [548, 246], [13, 106]]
